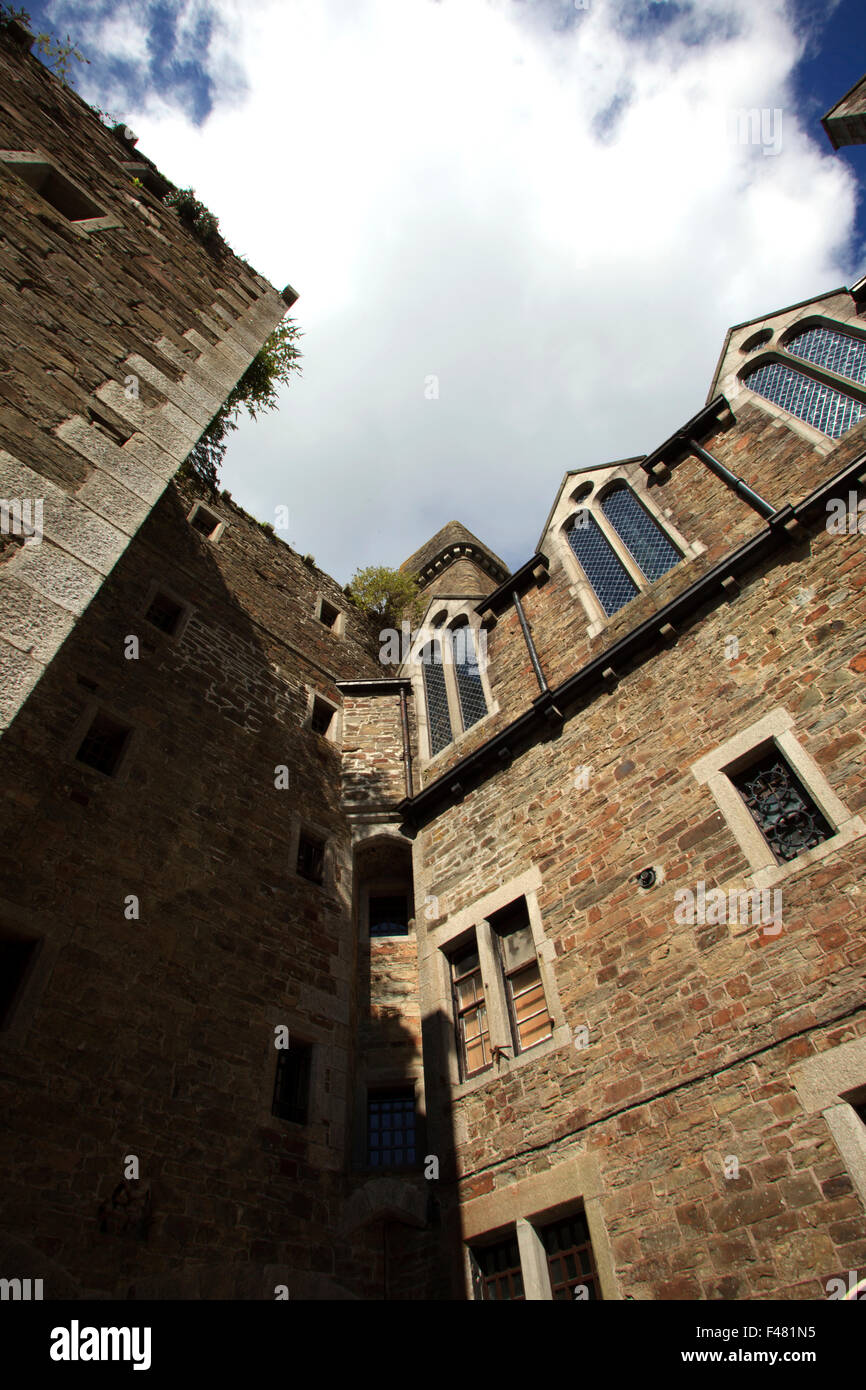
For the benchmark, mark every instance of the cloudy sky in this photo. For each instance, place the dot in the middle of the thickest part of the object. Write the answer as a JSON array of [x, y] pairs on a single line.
[[519, 228]]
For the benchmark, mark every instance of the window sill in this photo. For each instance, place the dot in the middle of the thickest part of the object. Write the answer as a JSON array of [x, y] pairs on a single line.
[[457, 742], [560, 1038], [847, 834]]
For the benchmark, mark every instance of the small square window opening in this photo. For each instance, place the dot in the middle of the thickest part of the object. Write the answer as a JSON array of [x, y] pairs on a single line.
[[165, 613], [103, 745], [292, 1082], [311, 858], [389, 916]]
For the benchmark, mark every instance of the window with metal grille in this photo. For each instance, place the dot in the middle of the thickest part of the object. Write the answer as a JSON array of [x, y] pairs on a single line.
[[781, 807], [292, 1082], [103, 745], [570, 1259], [496, 1273], [828, 347], [473, 704], [530, 1021], [311, 857], [438, 718], [17, 955], [825, 408], [645, 539], [610, 580], [391, 1127], [165, 613], [470, 1011], [322, 716], [389, 916]]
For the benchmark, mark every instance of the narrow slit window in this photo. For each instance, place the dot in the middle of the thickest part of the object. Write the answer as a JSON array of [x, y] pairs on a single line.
[[530, 1020], [292, 1082], [311, 857]]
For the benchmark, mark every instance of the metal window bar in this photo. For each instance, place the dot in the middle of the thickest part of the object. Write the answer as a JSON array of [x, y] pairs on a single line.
[[499, 1273], [645, 539], [610, 580], [825, 408], [391, 1127], [781, 807]]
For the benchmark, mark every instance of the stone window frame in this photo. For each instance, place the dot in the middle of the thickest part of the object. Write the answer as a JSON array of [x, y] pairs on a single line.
[[325, 1122], [457, 930], [155, 587], [334, 866], [219, 525], [529, 1203], [339, 626], [335, 729], [713, 771], [105, 222], [449, 612], [80, 728], [588, 494], [827, 1085]]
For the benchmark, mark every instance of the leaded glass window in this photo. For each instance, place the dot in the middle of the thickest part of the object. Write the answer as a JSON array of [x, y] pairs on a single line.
[[473, 705], [438, 718], [824, 407], [829, 348], [391, 1127], [645, 539], [782, 809], [611, 581]]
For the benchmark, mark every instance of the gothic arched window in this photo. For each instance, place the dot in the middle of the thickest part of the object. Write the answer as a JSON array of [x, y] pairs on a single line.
[[827, 347], [645, 539], [611, 581], [470, 691], [825, 408], [438, 718]]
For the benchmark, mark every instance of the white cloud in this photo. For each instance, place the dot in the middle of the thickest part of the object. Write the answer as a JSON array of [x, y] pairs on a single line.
[[430, 177]]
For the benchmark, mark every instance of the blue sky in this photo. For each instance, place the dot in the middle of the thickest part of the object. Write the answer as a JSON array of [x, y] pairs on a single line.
[[537, 203]]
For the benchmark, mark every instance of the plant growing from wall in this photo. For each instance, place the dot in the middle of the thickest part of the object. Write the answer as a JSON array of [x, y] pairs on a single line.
[[386, 594], [196, 216], [57, 55], [256, 392]]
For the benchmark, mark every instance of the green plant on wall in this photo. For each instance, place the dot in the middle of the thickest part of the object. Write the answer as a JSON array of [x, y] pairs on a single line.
[[256, 392], [57, 55], [196, 216], [386, 594]]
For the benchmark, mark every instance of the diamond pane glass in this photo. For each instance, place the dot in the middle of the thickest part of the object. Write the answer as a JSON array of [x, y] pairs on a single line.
[[613, 585], [645, 539], [437, 698], [473, 705], [391, 1128], [827, 409], [783, 810], [828, 348]]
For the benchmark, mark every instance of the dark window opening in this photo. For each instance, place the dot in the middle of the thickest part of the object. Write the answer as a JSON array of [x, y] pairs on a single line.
[[328, 614], [391, 1127], [205, 522], [496, 1272], [103, 744], [17, 954], [311, 858], [859, 1108], [57, 190], [114, 432], [292, 1082], [781, 807], [322, 716], [165, 613], [389, 916], [570, 1259]]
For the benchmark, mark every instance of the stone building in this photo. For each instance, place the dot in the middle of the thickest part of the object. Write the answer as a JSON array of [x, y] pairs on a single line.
[[524, 960]]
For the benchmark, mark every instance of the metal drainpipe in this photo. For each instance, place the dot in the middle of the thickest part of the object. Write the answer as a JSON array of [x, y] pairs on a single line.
[[407, 747], [740, 487], [533, 654]]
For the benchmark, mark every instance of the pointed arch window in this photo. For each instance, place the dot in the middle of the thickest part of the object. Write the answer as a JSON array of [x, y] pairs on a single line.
[[610, 580], [467, 675], [645, 539], [438, 717], [828, 347], [821, 406]]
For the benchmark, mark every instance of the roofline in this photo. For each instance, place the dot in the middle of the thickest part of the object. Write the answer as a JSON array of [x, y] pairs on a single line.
[[544, 715], [572, 473], [763, 318]]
